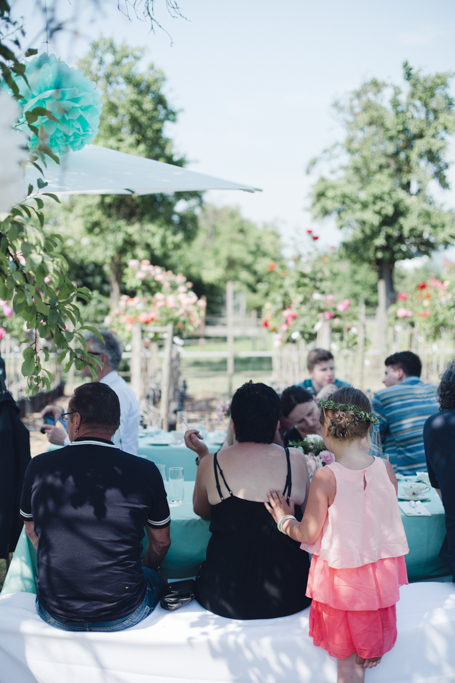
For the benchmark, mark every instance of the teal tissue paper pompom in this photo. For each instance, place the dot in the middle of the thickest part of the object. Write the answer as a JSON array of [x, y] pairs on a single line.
[[68, 95]]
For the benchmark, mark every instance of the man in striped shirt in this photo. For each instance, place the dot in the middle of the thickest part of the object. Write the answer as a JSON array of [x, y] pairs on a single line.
[[402, 409]]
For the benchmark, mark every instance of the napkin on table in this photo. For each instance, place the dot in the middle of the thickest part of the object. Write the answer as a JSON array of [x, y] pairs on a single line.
[[417, 509]]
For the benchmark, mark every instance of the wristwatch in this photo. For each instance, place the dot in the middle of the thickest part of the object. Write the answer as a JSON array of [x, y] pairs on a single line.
[[197, 461]]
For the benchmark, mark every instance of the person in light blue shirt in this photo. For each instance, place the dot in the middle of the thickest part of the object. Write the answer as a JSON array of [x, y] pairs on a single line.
[[321, 368], [402, 409]]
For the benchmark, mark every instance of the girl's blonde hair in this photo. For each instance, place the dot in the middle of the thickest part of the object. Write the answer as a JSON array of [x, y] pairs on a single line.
[[345, 423]]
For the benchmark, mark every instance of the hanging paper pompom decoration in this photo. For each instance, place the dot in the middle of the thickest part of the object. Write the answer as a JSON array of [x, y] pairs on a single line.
[[68, 95], [13, 151]]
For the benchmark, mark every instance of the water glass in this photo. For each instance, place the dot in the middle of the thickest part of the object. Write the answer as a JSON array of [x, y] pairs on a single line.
[[176, 485], [162, 471]]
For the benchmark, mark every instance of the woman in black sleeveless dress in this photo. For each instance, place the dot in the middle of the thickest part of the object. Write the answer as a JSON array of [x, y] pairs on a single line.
[[251, 571]]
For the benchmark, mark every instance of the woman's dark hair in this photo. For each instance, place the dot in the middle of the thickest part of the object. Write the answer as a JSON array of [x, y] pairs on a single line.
[[292, 397], [407, 361], [446, 390], [345, 424], [98, 406], [255, 411]]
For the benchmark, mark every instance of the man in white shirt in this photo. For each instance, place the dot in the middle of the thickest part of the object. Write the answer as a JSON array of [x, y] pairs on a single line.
[[110, 354]]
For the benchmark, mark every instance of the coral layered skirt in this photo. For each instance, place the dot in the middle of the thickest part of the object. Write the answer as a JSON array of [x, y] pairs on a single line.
[[353, 610]]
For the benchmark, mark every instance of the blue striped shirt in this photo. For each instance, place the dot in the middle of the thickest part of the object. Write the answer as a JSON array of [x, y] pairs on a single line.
[[402, 410]]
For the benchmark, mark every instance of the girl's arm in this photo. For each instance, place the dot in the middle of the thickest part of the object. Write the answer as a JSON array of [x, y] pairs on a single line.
[[322, 493], [391, 473]]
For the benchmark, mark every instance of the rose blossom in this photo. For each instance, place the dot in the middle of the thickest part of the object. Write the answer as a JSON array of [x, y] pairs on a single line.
[[311, 464], [404, 313], [327, 457], [328, 315], [2, 332], [7, 311]]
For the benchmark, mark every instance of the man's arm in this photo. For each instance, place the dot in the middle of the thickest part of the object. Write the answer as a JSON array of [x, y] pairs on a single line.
[[159, 541], [378, 410], [30, 531]]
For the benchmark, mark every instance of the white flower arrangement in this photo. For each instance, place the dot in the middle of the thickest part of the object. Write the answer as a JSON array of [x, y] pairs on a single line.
[[12, 154]]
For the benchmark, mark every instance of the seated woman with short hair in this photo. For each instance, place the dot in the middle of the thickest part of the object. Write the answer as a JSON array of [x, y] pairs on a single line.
[[252, 571]]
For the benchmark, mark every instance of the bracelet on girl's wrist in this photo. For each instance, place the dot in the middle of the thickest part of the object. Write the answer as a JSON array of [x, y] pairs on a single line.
[[282, 520]]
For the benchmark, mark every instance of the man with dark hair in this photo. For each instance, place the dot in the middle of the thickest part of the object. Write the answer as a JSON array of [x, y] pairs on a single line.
[[321, 368], [402, 409], [109, 353], [85, 508]]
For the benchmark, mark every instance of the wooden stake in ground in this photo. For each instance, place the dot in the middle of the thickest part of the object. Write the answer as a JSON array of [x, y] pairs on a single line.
[[166, 377]]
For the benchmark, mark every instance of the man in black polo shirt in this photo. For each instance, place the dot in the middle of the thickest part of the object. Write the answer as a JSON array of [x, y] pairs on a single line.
[[85, 508]]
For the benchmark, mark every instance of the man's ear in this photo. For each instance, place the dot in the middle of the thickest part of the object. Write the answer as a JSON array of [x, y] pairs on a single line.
[[400, 374]]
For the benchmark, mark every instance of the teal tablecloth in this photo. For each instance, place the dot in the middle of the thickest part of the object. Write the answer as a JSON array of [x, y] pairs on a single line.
[[190, 535], [173, 456]]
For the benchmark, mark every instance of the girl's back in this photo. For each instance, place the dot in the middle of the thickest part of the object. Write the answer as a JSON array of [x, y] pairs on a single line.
[[363, 523]]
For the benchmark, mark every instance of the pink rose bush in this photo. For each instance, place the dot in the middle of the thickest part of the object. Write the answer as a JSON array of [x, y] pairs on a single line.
[[429, 308], [163, 298]]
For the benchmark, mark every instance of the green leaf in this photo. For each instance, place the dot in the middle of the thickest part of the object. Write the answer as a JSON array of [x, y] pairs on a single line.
[[42, 111], [28, 352], [39, 201], [53, 196], [30, 52], [41, 183], [30, 189], [28, 366]]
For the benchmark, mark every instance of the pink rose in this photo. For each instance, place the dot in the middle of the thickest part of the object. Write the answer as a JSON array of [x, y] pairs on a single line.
[[134, 263], [2, 332], [404, 313], [330, 297], [311, 464], [7, 311], [403, 296], [328, 315], [327, 457]]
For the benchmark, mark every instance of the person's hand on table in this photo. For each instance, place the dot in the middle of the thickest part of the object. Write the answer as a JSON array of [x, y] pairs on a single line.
[[326, 391], [277, 506], [193, 441], [55, 435]]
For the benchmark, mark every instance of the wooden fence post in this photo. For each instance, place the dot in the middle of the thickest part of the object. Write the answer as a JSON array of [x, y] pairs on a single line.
[[136, 360], [166, 377], [230, 334]]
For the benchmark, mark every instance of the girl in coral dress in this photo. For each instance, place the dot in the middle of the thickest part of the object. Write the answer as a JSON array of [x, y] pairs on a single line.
[[352, 527]]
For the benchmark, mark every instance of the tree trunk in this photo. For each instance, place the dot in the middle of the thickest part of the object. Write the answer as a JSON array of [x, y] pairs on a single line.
[[386, 273], [115, 280]]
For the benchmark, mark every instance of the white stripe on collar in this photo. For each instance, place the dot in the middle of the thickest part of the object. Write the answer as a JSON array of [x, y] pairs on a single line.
[[93, 443]]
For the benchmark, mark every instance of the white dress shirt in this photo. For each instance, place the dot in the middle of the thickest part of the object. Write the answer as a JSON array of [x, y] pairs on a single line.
[[127, 435]]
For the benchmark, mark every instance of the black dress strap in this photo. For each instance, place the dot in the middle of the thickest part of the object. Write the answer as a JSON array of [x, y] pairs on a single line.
[[288, 485], [216, 467]]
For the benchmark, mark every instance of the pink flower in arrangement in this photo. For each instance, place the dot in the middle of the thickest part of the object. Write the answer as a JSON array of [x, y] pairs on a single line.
[[330, 297], [140, 275], [311, 464], [7, 311], [180, 279], [403, 296], [434, 282], [344, 305], [134, 263], [327, 457], [404, 313], [2, 332], [328, 315]]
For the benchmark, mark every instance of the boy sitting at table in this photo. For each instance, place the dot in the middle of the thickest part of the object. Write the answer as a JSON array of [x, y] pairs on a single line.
[[321, 368]]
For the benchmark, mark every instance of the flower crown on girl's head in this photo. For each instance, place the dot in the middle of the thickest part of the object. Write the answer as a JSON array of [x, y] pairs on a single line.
[[362, 415]]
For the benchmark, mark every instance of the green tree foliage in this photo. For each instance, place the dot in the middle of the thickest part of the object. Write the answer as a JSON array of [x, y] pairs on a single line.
[[228, 247], [378, 187], [110, 230]]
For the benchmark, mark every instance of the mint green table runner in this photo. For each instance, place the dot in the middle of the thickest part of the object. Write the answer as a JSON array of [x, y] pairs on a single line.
[[190, 535]]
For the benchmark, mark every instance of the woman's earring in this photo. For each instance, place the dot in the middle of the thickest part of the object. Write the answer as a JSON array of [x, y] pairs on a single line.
[[77, 431]]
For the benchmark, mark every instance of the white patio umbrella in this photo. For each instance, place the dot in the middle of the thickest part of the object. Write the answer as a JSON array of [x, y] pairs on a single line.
[[97, 170]]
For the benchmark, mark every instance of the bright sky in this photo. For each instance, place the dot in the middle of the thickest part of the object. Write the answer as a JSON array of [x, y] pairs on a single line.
[[255, 80]]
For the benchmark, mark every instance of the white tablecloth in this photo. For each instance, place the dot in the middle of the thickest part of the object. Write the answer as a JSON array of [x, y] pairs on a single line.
[[194, 645]]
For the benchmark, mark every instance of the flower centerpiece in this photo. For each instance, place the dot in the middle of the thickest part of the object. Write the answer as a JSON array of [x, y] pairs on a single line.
[[315, 452]]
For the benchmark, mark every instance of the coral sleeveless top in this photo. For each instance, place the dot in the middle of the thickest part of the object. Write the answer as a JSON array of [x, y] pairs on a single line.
[[363, 524]]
